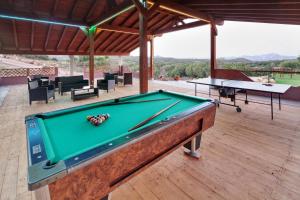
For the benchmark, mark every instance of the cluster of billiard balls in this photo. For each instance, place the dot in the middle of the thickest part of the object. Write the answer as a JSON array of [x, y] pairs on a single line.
[[98, 119]]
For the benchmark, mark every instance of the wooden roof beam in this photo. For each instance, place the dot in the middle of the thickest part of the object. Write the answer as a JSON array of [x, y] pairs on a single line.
[[181, 27], [119, 29], [7, 51], [285, 7], [264, 20], [114, 12], [153, 9], [140, 7], [4, 14], [183, 10], [236, 2]]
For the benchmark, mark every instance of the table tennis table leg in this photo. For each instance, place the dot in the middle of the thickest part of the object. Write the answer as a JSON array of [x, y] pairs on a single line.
[[234, 97], [246, 101], [272, 105], [195, 89], [209, 92], [279, 99]]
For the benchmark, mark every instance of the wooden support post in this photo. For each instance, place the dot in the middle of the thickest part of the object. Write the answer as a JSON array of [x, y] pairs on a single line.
[[91, 37], [121, 65], [143, 50], [213, 60], [72, 63], [151, 58]]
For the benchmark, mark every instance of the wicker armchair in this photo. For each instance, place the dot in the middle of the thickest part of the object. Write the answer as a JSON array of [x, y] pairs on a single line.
[[40, 93], [108, 83]]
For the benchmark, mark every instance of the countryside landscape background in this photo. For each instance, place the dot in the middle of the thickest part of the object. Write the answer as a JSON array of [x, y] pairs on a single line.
[[170, 68]]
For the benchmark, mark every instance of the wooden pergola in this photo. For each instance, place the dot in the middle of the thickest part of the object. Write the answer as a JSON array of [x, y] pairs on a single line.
[[116, 27]]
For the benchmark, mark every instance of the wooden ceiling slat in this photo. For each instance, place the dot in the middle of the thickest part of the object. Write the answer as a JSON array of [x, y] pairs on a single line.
[[119, 8], [266, 20], [71, 14], [73, 39], [181, 27], [130, 19], [91, 10], [48, 37], [181, 9], [107, 39], [62, 36], [255, 12], [274, 17], [132, 40], [83, 41], [153, 21], [38, 52], [128, 38], [15, 34], [54, 7], [121, 44], [32, 35], [115, 34], [283, 7], [235, 2], [163, 20]]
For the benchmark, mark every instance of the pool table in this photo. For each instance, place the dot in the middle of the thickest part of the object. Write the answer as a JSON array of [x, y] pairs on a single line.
[[69, 158]]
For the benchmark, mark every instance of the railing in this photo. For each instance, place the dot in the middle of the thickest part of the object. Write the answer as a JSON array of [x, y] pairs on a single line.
[[269, 72], [19, 75], [17, 72]]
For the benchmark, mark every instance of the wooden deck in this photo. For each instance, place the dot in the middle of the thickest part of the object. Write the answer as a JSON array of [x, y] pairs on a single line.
[[245, 156]]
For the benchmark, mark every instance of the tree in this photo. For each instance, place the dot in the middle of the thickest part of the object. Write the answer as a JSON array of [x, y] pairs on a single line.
[[290, 64]]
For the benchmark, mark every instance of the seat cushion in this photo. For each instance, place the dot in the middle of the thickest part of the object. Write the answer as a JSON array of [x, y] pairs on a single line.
[[33, 84]]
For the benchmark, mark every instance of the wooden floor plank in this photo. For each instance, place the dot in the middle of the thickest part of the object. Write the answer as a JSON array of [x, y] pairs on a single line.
[[244, 156]]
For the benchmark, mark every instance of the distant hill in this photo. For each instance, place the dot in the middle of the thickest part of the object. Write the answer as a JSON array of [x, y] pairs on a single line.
[[269, 57], [241, 59]]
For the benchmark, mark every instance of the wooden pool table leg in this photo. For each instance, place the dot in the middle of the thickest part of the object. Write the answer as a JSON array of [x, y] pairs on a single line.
[[105, 198], [192, 147]]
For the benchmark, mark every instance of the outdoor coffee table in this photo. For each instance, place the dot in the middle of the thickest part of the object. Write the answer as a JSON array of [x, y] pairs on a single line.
[[84, 92]]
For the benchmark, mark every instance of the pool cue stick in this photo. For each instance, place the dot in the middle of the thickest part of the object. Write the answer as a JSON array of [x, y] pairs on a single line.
[[114, 104], [129, 102], [153, 116]]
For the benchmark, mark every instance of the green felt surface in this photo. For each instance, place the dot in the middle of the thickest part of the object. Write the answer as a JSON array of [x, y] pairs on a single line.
[[68, 133]]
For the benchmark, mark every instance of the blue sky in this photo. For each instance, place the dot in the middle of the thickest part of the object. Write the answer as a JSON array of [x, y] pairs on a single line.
[[234, 39]]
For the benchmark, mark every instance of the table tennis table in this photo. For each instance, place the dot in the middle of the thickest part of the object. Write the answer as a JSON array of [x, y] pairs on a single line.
[[229, 89]]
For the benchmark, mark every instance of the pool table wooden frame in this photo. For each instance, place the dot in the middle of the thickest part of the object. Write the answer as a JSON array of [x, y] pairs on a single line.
[[99, 175]]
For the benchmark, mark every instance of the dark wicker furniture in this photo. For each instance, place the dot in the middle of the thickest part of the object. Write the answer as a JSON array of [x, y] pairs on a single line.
[[126, 79], [66, 83], [40, 93], [108, 83], [83, 93]]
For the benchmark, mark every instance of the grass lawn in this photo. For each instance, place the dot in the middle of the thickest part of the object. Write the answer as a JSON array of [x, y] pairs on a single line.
[[286, 79]]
